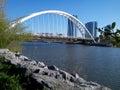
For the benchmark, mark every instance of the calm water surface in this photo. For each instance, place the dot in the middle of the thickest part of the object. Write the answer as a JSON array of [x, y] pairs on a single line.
[[99, 64]]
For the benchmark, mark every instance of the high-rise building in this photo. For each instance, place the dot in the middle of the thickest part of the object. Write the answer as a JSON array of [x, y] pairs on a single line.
[[92, 27], [72, 32]]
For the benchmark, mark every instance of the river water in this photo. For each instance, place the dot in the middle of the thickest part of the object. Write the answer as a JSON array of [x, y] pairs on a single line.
[[98, 64]]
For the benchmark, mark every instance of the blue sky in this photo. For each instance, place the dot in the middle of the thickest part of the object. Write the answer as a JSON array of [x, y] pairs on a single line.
[[103, 11]]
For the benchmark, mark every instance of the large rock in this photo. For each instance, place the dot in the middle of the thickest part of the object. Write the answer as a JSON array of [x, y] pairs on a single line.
[[51, 77]]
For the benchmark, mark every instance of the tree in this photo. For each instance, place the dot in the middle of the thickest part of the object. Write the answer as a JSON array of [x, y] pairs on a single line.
[[116, 39], [107, 32], [11, 36], [109, 35]]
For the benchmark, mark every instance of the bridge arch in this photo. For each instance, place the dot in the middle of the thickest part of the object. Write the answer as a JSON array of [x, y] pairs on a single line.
[[77, 22]]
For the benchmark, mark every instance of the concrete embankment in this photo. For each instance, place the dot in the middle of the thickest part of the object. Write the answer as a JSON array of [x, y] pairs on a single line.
[[50, 77]]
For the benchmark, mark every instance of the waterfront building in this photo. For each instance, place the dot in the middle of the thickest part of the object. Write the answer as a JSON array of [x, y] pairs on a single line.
[[92, 27], [72, 32]]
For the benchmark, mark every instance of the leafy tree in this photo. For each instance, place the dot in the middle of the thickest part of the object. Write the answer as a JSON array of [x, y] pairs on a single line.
[[109, 35], [11, 36], [116, 39]]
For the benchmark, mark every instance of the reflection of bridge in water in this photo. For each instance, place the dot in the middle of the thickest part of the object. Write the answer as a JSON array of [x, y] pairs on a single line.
[[57, 26]]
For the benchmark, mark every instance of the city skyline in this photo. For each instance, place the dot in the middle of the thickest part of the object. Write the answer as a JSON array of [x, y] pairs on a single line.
[[103, 11]]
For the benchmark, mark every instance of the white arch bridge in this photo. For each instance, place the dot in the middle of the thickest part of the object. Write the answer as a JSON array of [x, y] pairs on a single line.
[[54, 23]]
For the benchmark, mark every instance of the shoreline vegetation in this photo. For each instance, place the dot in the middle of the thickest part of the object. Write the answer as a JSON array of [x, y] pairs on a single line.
[[14, 78], [21, 73]]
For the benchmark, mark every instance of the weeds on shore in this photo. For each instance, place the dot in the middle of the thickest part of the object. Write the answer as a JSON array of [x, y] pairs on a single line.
[[13, 78]]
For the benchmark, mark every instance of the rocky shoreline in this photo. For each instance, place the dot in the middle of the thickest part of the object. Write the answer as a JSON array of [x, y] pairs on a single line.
[[50, 77]]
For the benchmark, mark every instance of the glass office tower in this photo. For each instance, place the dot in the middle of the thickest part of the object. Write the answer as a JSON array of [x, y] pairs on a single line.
[[72, 32], [92, 27]]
